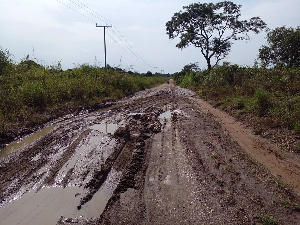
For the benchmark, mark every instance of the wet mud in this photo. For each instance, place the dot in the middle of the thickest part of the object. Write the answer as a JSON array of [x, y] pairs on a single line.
[[156, 157]]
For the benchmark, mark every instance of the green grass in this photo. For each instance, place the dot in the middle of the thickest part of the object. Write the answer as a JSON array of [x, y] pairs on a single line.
[[271, 96], [291, 205], [32, 94], [269, 220]]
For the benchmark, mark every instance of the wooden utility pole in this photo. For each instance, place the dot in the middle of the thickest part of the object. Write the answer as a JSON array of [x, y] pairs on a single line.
[[104, 41]]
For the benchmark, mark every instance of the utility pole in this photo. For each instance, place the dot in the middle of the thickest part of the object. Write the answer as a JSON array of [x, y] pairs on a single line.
[[104, 41]]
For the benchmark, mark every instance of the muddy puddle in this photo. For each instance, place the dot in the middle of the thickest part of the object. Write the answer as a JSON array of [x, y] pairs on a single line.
[[49, 204], [18, 145], [106, 128], [165, 115], [165, 118]]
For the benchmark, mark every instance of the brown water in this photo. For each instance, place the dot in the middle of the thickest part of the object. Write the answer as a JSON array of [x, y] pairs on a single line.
[[17, 145], [106, 128], [48, 204]]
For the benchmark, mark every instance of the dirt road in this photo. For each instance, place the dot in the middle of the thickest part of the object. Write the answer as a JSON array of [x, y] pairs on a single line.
[[162, 156]]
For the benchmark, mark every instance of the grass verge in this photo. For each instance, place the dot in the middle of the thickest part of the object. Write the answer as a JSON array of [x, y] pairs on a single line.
[[266, 99], [32, 94]]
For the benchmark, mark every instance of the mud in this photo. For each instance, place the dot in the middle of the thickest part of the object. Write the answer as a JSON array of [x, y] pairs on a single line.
[[160, 156]]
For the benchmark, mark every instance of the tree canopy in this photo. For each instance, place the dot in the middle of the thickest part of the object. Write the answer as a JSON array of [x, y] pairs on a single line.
[[283, 47], [212, 28]]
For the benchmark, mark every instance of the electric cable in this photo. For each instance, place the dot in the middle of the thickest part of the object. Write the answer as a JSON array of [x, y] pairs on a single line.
[[123, 43]]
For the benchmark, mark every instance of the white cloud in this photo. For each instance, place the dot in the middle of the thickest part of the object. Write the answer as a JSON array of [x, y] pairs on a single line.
[[58, 33]]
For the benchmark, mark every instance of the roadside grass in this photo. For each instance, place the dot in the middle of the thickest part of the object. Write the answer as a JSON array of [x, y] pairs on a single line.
[[291, 205], [270, 96], [269, 220], [32, 94]]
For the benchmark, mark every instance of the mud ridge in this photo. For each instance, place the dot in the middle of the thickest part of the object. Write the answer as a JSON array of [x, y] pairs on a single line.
[[100, 176]]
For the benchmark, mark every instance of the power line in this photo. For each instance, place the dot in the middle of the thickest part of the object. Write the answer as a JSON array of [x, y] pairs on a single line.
[[88, 10], [124, 44], [97, 15], [75, 11]]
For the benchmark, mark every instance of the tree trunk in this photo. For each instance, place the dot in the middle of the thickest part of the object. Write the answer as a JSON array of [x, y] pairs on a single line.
[[208, 64]]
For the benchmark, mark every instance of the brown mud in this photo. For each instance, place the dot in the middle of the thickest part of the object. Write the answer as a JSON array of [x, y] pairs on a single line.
[[160, 156]]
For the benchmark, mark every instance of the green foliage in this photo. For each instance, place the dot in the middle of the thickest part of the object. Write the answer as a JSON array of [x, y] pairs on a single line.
[[269, 220], [262, 102], [270, 94], [283, 47], [30, 91], [5, 62], [212, 28], [291, 205], [189, 77], [225, 75], [149, 74]]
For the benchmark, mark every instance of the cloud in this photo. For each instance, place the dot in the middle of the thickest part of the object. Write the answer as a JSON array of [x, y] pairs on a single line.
[[277, 13], [57, 32]]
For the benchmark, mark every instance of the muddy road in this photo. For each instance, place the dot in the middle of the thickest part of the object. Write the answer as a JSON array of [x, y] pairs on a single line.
[[162, 156]]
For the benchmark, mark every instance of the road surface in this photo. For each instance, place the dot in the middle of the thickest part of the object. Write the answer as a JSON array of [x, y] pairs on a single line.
[[161, 156]]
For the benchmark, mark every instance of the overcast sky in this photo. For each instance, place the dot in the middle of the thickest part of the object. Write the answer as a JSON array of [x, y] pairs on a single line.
[[50, 31]]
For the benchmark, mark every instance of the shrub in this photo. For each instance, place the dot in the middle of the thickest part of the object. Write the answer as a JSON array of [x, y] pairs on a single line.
[[31, 89], [262, 102], [270, 93], [269, 220]]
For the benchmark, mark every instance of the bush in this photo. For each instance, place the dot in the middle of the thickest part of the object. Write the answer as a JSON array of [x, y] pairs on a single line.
[[5, 62], [31, 89], [262, 102], [273, 94]]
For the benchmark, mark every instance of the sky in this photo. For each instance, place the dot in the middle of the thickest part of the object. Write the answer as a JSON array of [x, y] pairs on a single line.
[[53, 31]]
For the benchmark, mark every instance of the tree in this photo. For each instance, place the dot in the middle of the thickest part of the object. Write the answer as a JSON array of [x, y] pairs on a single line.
[[191, 67], [5, 61], [212, 28], [149, 74], [283, 47]]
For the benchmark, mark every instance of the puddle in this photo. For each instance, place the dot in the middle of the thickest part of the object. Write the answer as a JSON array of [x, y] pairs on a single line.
[[165, 115], [107, 128], [44, 207], [134, 114], [165, 118], [135, 133], [18, 145], [96, 205], [49, 204]]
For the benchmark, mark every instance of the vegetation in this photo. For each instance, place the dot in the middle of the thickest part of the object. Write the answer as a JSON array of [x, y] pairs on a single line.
[[291, 205], [269, 220], [272, 95], [32, 94], [283, 47], [212, 28]]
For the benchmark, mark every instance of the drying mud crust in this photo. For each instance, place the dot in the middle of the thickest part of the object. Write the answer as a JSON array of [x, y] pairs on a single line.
[[162, 156]]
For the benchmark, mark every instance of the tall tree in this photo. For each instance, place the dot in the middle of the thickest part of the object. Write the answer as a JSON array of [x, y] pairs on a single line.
[[212, 28], [283, 47]]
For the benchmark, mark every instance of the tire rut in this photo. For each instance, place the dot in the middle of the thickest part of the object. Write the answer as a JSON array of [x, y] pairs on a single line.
[[169, 161]]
